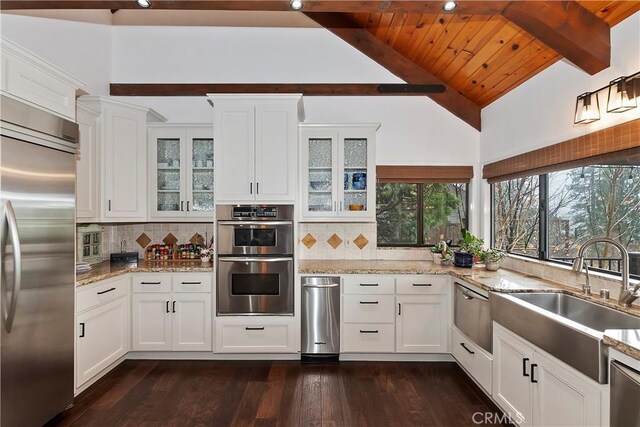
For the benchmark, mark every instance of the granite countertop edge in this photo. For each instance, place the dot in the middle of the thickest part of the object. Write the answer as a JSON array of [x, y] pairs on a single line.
[[626, 341], [103, 271]]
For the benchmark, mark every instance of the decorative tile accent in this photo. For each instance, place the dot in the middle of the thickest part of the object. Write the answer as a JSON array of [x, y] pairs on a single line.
[[143, 240], [361, 241], [170, 239], [309, 241], [197, 239], [334, 241]]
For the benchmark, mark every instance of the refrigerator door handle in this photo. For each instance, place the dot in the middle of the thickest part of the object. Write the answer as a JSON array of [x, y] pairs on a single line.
[[17, 267]]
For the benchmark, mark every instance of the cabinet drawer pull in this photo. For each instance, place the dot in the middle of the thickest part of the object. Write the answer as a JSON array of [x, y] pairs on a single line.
[[399, 309], [248, 328], [257, 188], [422, 284], [369, 302], [251, 188], [168, 311], [369, 284], [368, 332], [533, 373], [192, 283], [465, 347], [187, 205], [181, 205], [150, 283], [174, 306], [109, 205], [524, 367], [82, 329], [104, 292]]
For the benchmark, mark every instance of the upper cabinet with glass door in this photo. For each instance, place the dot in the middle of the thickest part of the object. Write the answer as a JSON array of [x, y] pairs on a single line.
[[338, 172], [181, 168]]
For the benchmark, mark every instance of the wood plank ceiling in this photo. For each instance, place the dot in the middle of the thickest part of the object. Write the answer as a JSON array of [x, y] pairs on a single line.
[[483, 57], [479, 52]]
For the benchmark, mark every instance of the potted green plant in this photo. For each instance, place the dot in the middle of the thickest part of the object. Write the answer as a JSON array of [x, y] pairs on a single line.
[[492, 258], [470, 246], [447, 257]]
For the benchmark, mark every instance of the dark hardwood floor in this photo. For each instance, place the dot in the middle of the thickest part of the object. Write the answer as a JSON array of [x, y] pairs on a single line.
[[265, 393]]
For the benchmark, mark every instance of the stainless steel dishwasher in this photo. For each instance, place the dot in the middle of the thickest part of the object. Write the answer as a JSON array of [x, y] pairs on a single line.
[[625, 396], [471, 314], [320, 319]]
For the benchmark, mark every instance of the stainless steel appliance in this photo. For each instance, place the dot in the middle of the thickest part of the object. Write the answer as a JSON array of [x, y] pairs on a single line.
[[320, 318], [255, 260], [37, 208], [625, 395], [472, 316]]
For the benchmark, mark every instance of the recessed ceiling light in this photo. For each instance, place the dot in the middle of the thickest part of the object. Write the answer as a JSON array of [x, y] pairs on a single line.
[[146, 4], [296, 4], [449, 6]]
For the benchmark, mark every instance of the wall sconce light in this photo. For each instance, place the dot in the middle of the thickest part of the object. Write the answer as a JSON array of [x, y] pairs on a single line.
[[621, 96], [587, 108]]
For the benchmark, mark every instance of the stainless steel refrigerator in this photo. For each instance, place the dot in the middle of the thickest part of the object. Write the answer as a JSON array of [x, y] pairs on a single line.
[[37, 210]]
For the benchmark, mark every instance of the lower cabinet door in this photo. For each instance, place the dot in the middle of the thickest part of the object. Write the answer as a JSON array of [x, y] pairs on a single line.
[[264, 334], [191, 322], [422, 324], [103, 337], [512, 359], [561, 397], [151, 323]]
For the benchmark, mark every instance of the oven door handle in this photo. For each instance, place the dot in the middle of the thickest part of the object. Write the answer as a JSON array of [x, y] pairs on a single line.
[[254, 259], [255, 223]]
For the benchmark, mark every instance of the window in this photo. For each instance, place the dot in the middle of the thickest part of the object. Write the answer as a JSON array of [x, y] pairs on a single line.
[[420, 214], [580, 203]]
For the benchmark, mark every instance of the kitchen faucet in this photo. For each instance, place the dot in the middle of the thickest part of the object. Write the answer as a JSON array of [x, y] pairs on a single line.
[[627, 296]]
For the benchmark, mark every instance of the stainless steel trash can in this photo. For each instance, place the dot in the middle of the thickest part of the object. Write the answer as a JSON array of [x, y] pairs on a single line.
[[320, 319]]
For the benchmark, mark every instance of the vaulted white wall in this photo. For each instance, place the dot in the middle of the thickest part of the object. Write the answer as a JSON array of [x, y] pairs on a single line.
[[81, 49], [540, 112]]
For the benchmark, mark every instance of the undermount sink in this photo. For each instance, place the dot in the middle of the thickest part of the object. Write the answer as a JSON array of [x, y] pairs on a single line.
[[565, 326]]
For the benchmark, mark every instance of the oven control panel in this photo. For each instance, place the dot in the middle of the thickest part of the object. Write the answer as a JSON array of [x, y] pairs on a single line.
[[255, 212]]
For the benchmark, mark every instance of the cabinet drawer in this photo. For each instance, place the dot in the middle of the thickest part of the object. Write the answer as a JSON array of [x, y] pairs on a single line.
[[151, 282], [101, 293], [422, 284], [368, 308], [368, 338], [254, 338], [369, 284], [193, 282], [472, 358]]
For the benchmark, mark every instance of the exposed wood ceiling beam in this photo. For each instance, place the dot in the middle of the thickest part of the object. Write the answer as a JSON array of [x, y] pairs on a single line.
[[398, 64], [307, 89], [352, 6], [566, 27]]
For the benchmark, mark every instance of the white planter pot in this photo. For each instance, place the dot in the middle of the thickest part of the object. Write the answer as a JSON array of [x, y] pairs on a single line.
[[492, 266]]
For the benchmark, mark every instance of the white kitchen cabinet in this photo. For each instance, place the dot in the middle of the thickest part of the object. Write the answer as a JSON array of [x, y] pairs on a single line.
[[171, 321], [422, 324], [32, 80], [477, 361], [102, 327], [367, 314], [122, 138], [180, 172], [257, 334], [256, 146], [536, 389], [338, 172], [88, 170]]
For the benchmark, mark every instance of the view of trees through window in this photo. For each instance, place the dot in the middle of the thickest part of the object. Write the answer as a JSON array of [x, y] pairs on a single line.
[[419, 214], [585, 202]]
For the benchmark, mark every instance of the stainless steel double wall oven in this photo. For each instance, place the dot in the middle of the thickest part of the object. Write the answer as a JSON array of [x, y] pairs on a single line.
[[255, 260]]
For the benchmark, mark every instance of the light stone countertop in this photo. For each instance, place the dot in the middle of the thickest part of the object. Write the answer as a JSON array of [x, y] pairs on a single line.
[[626, 341], [104, 271]]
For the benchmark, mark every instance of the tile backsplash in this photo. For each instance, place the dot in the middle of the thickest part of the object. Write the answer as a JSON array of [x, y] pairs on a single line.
[[349, 241], [115, 234]]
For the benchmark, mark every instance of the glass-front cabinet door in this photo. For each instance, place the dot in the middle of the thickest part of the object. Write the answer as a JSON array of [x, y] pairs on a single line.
[[200, 197], [338, 172], [319, 170], [169, 177], [181, 168]]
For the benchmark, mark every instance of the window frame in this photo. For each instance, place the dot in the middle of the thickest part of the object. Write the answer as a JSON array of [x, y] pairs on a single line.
[[420, 215], [543, 230]]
